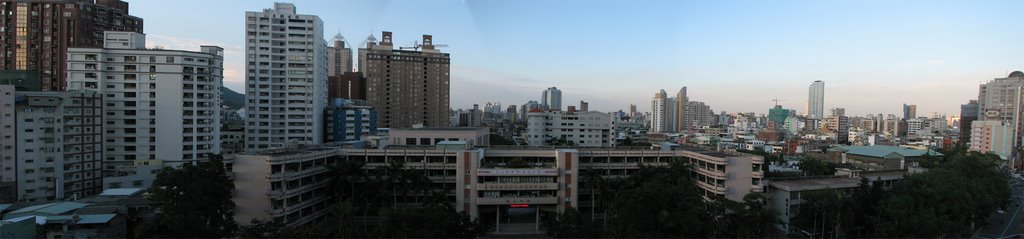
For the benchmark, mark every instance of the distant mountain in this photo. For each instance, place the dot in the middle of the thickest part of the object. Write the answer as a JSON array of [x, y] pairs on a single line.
[[232, 99]]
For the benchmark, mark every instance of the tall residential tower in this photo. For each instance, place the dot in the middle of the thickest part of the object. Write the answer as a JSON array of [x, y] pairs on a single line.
[[551, 98], [816, 100], [286, 78], [39, 32], [406, 87]]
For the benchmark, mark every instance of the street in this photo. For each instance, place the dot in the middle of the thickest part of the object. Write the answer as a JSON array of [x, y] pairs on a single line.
[[1006, 224]]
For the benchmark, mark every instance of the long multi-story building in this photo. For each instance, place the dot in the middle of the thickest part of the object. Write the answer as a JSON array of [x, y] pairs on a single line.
[[60, 145], [290, 186], [159, 104], [407, 87], [662, 113], [39, 32], [577, 128], [816, 100], [8, 141], [286, 78]]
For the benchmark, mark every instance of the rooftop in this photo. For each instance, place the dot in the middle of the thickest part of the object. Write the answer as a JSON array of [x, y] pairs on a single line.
[[121, 192], [880, 151], [445, 128], [815, 184], [50, 208]]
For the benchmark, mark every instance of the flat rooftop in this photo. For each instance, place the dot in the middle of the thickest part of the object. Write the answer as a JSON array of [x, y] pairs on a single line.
[[815, 184], [445, 129]]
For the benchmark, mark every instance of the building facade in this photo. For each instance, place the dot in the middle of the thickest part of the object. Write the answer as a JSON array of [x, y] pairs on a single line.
[[407, 87], [990, 136], [699, 114], [339, 57], [158, 104], [662, 113], [8, 142], [551, 98], [576, 128], [816, 100], [60, 145], [968, 114], [349, 85], [680, 112], [349, 120], [488, 183], [46, 29], [286, 78]]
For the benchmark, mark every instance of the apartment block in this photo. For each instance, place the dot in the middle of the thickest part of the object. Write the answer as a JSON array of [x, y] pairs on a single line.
[[290, 186], [349, 120], [576, 128], [158, 104], [349, 85], [990, 136], [520, 184], [286, 78], [59, 145], [339, 57], [8, 142], [407, 87], [663, 115], [45, 29]]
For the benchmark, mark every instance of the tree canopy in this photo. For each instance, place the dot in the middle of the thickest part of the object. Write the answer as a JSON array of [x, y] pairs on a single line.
[[195, 201]]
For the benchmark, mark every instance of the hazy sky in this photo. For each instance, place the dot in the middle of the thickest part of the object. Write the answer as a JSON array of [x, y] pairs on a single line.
[[734, 55]]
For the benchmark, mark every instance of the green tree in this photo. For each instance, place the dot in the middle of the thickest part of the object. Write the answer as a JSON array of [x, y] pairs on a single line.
[[571, 224], [195, 201], [816, 167], [755, 219]]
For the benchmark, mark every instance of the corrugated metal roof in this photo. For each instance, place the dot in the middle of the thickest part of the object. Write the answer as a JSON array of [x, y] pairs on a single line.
[[95, 218], [880, 151], [120, 192], [4, 206], [52, 208]]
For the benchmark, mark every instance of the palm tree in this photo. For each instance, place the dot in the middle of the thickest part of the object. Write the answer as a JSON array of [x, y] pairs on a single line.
[[594, 180]]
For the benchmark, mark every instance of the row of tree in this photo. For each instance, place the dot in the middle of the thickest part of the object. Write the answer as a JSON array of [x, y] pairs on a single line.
[[661, 202], [953, 198]]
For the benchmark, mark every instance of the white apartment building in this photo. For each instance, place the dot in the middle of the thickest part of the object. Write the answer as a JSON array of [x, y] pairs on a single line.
[[581, 128], [159, 104], [286, 78], [59, 145], [662, 113], [991, 136], [8, 154]]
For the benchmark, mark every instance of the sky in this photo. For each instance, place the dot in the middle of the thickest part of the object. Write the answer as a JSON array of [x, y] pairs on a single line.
[[736, 56]]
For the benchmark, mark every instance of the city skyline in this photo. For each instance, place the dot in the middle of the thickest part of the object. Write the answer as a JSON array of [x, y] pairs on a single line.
[[882, 54]]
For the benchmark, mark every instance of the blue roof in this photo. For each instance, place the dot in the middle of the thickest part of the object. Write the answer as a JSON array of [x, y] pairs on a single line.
[[4, 206], [120, 192], [83, 219], [52, 208], [881, 151]]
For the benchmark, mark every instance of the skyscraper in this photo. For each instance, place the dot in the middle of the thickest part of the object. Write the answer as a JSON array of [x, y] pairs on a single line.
[[286, 78], [968, 114], [45, 29], [407, 87], [680, 111], [551, 99], [816, 100], [159, 104], [661, 113], [909, 111], [339, 57]]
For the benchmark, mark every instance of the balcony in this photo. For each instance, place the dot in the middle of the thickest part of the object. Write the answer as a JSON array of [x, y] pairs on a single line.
[[517, 186], [757, 174], [712, 173], [712, 188], [516, 200]]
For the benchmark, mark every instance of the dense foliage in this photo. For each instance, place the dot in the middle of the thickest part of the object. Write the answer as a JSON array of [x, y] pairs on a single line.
[[195, 201], [662, 202]]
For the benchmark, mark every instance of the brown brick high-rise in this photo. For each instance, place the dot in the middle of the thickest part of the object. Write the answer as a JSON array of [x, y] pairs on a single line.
[[349, 85], [37, 33], [406, 87]]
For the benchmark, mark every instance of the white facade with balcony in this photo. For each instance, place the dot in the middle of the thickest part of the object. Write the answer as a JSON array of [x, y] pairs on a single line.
[[286, 78], [158, 104]]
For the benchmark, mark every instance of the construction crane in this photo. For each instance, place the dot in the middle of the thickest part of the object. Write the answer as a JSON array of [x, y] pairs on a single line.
[[776, 100], [416, 46]]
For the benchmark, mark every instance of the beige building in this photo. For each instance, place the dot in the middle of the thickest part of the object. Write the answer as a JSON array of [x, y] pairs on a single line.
[[574, 128], [431, 136], [990, 136], [406, 87], [339, 57], [519, 185]]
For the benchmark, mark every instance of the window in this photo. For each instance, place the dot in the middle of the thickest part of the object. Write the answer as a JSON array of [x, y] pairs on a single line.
[[170, 59]]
